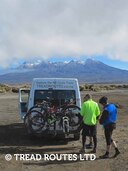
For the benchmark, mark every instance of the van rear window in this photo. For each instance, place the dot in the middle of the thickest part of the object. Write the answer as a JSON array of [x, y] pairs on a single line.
[[56, 97], [24, 95]]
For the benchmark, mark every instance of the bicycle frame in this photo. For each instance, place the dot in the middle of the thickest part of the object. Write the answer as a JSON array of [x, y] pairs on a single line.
[[50, 115]]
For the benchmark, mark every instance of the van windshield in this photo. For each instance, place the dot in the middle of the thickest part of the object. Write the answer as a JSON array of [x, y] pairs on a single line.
[[58, 98]]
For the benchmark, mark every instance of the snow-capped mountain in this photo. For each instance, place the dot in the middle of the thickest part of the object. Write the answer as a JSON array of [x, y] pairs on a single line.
[[29, 65], [86, 71]]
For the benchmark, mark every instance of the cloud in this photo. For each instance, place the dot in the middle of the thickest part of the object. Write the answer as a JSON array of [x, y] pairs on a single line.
[[46, 28]]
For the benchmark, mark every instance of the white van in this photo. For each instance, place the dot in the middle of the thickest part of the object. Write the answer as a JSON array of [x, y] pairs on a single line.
[[59, 90]]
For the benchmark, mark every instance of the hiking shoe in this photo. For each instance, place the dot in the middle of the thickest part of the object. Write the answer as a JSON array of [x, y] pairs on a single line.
[[82, 150], [116, 154], [105, 156]]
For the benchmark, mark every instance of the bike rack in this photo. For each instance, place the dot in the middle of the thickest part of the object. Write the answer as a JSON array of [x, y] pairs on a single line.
[[65, 124]]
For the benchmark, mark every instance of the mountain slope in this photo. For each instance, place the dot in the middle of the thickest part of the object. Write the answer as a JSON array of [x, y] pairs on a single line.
[[88, 71]]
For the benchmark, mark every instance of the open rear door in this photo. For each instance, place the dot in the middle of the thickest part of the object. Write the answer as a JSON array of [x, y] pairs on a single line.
[[23, 101]]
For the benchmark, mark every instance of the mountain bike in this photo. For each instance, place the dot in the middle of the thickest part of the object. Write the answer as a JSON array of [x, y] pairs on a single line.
[[45, 117]]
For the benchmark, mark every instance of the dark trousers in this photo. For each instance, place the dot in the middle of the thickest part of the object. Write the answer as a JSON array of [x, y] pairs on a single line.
[[108, 130], [89, 131]]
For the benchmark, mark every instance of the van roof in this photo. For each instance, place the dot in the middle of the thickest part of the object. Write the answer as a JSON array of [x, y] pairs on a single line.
[[37, 79]]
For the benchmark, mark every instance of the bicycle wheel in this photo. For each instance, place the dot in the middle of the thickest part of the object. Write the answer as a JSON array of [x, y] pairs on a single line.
[[28, 118], [37, 123], [73, 113], [36, 107]]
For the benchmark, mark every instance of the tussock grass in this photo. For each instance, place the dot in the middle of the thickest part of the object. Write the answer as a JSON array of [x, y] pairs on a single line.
[[4, 88], [84, 87], [101, 87]]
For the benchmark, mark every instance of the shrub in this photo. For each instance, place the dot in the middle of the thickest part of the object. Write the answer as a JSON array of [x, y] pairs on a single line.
[[4, 88], [125, 86], [15, 90], [81, 88]]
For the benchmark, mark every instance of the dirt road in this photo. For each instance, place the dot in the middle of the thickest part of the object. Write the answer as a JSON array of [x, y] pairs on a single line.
[[14, 140]]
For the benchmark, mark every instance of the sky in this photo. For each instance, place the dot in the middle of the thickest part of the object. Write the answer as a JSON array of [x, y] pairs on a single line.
[[55, 29]]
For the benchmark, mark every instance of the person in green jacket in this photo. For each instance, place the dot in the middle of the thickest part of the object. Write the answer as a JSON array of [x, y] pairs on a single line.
[[90, 112]]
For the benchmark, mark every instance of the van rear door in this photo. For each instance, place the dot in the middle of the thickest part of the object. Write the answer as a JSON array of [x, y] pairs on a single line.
[[23, 101]]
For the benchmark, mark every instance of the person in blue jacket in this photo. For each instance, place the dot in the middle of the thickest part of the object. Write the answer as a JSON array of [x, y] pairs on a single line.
[[108, 120]]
